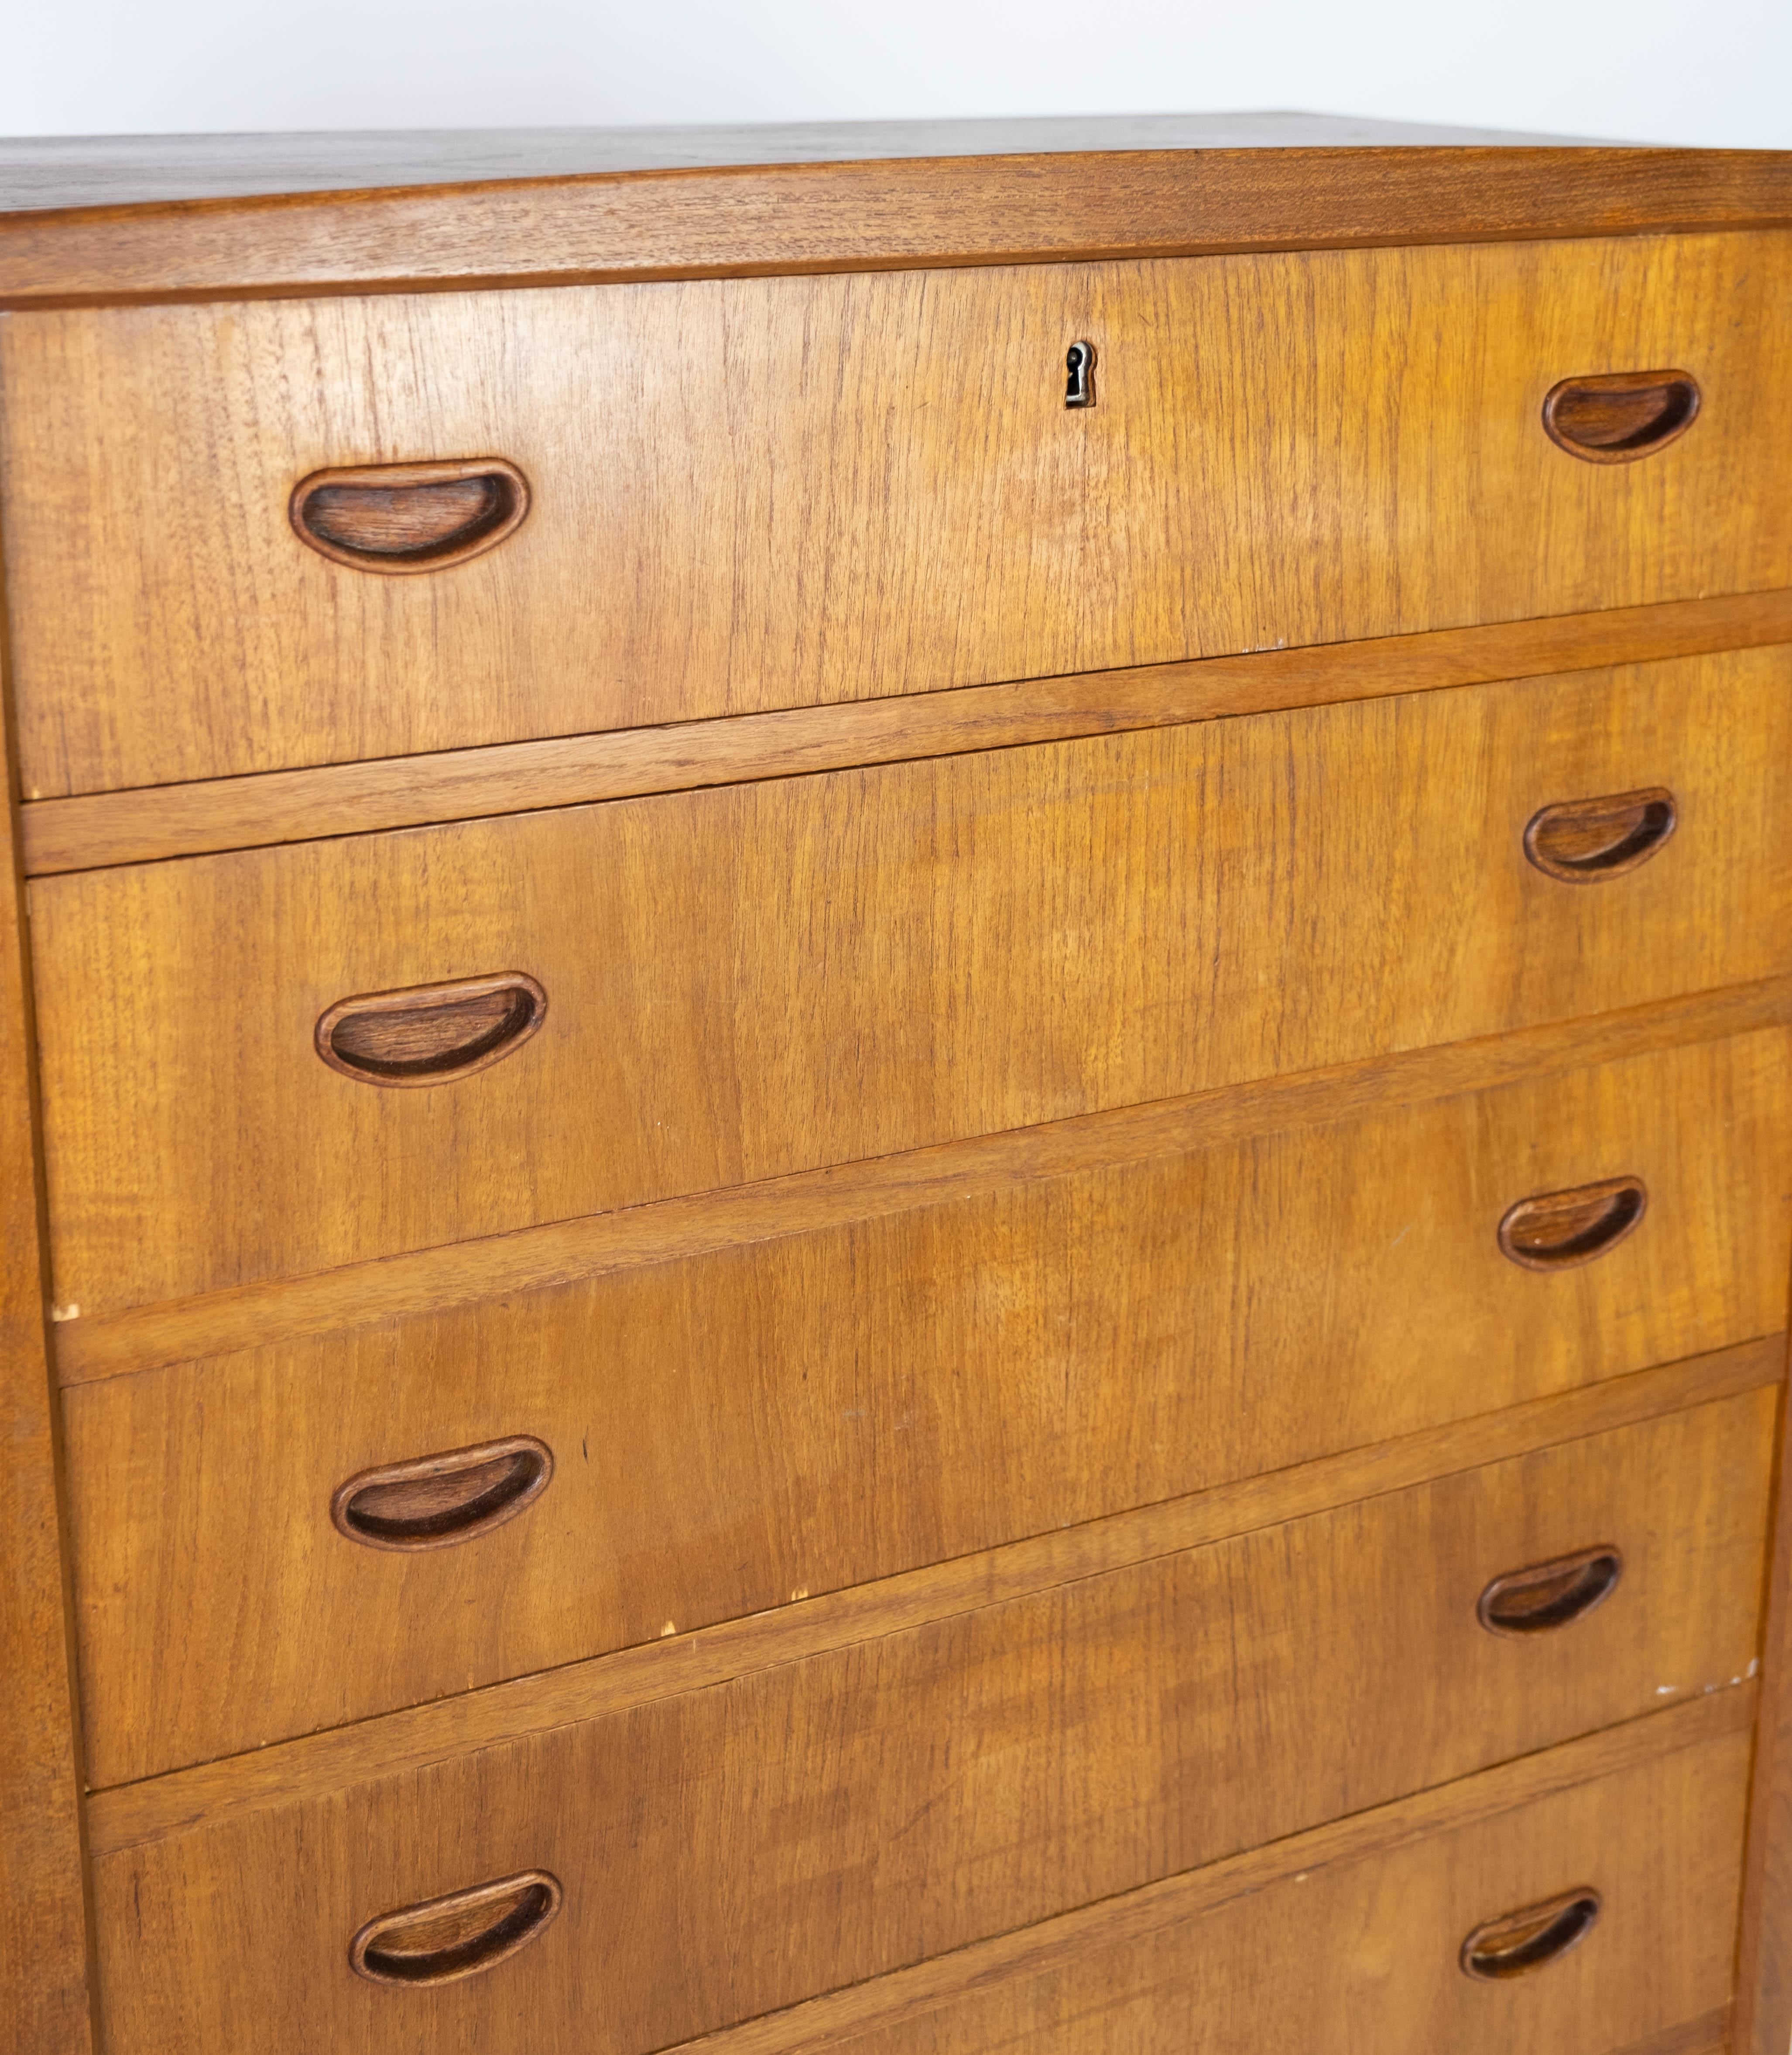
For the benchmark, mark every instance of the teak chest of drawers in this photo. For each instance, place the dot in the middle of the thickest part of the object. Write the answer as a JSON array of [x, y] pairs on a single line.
[[897, 1045]]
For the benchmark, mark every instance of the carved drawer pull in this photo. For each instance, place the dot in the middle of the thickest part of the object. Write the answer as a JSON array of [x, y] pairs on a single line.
[[1551, 1594], [435, 1501], [1519, 1942], [457, 1936], [430, 1033], [1581, 841], [1555, 1230], [1619, 415], [410, 517]]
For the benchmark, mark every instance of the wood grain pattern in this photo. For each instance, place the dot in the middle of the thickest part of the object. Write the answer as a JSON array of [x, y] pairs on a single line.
[[804, 1413], [87, 1347], [1556, 1230], [409, 518], [732, 1851], [1621, 416], [1144, 1916], [428, 1035], [1763, 2021], [91, 830], [891, 497], [422, 1736], [1584, 842], [1043, 207], [749, 982], [1355, 1953], [43, 1910]]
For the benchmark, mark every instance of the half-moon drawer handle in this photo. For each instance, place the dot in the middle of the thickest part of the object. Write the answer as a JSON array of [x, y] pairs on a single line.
[[1581, 841], [434, 1501], [1519, 1942], [1555, 1230], [430, 1033], [410, 517], [456, 1936], [1551, 1594], [1616, 416]]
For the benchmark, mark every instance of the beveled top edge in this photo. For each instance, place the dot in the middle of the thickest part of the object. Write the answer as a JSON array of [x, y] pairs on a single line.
[[57, 172], [868, 214]]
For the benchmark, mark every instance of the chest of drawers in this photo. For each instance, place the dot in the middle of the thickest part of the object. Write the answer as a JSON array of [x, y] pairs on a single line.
[[897, 1093]]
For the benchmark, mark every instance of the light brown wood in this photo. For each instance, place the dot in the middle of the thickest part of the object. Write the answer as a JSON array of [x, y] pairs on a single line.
[[1028, 935], [801, 1413], [1584, 842], [1355, 1953], [462, 1933], [1144, 1915], [1544, 1596], [89, 1347], [1070, 816], [89, 832], [424, 1735], [44, 1965], [892, 496], [1764, 2023], [732, 1851], [430, 1035], [1621, 416], [409, 517], [1122, 196], [1556, 1230], [441, 1502]]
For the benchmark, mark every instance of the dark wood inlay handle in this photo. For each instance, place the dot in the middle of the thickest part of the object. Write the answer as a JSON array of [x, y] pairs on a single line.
[[1554, 1230], [1616, 416], [1581, 841], [1519, 1942], [446, 1938], [1551, 1594], [409, 517], [430, 1033], [435, 1501]]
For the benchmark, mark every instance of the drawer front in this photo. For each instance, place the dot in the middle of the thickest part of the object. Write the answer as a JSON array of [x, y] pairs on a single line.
[[756, 493], [726, 1851], [812, 1412], [778, 977], [1362, 1957]]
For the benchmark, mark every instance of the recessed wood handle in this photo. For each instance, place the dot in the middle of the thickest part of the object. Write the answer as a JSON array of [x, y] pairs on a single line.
[[1555, 1230], [1582, 841], [1551, 1594], [410, 517], [435, 1501], [446, 1938], [430, 1033], [1616, 416], [1520, 1941]]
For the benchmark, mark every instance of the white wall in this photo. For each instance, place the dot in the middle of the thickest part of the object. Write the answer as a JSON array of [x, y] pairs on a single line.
[[1684, 71]]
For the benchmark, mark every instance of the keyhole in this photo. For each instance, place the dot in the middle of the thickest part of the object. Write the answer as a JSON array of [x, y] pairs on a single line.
[[1079, 384]]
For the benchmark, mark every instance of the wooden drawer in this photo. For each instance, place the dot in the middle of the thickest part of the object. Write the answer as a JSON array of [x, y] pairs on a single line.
[[771, 978], [794, 1412], [756, 493], [1361, 1955], [724, 1851]]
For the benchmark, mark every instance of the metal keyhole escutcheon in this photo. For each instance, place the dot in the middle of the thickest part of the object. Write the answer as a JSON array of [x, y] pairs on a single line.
[[1079, 384]]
